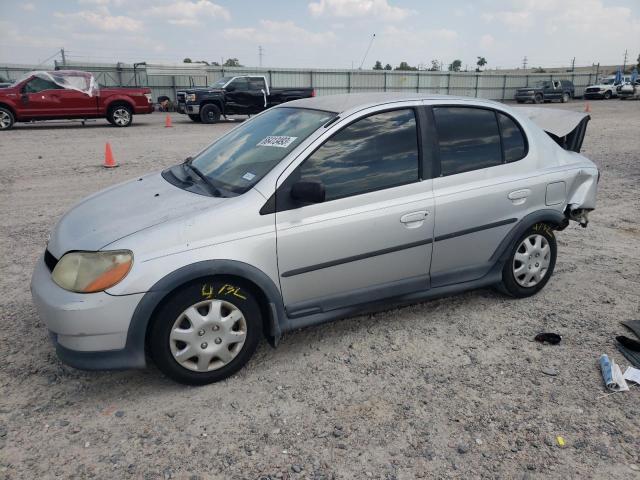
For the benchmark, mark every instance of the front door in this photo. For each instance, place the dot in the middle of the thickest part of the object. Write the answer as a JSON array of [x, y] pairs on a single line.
[[237, 97], [40, 97], [371, 238]]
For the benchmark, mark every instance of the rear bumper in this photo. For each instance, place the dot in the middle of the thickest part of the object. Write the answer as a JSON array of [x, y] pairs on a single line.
[[89, 331]]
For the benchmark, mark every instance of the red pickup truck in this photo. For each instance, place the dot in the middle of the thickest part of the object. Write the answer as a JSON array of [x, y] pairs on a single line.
[[65, 94]]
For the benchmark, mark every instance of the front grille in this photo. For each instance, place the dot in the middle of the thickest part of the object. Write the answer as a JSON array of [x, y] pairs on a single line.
[[49, 260], [180, 97], [592, 90]]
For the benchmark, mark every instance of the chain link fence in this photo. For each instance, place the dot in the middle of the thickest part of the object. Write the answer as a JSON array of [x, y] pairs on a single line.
[[166, 80]]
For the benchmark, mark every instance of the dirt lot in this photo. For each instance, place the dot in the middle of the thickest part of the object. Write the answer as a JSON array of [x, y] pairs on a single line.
[[447, 388]]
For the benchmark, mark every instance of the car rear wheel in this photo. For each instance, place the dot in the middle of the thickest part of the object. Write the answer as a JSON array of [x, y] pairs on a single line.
[[607, 95], [206, 331], [195, 118], [565, 97], [6, 119], [120, 116], [538, 98], [210, 114], [531, 262]]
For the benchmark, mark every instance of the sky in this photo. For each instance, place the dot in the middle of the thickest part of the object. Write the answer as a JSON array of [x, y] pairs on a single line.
[[323, 33]]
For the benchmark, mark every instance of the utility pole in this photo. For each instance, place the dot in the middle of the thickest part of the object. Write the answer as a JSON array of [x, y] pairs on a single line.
[[64, 59], [260, 54], [573, 64], [524, 63], [624, 64]]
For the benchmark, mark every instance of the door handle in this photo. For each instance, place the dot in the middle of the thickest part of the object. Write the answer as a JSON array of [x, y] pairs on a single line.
[[414, 217], [519, 194]]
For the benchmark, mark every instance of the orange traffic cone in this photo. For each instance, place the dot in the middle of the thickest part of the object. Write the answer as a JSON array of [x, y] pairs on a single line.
[[109, 161], [587, 107], [167, 121]]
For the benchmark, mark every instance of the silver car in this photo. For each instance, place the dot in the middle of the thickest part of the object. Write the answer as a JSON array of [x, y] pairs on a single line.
[[313, 210]]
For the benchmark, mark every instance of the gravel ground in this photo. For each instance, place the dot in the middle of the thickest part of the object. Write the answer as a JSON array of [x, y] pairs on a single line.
[[446, 388]]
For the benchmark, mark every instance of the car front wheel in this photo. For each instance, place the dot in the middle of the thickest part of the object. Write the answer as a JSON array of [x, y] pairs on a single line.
[[6, 119], [538, 98], [206, 331], [531, 262], [210, 113], [607, 95]]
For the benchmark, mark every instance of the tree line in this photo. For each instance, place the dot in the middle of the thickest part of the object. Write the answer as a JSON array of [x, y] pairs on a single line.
[[436, 66]]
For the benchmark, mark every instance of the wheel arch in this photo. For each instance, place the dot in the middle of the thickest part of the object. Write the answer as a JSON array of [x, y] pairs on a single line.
[[217, 102], [269, 298], [120, 101], [556, 219], [11, 109]]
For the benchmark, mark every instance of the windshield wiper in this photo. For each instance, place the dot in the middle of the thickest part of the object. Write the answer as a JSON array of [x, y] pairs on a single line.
[[210, 186]]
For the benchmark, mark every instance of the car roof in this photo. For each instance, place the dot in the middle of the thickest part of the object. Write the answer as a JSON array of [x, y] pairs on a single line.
[[349, 101]]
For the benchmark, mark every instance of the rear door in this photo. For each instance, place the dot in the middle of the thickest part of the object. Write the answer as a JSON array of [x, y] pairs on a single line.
[[481, 190], [371, 238]]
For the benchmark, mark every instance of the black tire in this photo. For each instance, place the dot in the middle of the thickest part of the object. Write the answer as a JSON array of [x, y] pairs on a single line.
[[538, 98], [230, 291], [120, 115], [565, 97], [210, 113], [6, 119], [607, 95], [510, 284], [195, 118]]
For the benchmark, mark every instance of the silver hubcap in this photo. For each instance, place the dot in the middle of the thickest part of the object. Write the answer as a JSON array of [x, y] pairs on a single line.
[[531, 261], [208, 335], [5, 120], [121, 116]]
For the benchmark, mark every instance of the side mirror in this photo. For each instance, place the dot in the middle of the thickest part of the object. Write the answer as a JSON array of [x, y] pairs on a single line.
[[230, 88], [308, 192]]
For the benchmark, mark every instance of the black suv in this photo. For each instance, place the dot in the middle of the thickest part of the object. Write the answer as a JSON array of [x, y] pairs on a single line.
[[546, 91]]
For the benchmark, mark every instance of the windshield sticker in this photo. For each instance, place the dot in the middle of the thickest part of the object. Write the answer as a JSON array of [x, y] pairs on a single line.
[[248, 176], [279, 141]]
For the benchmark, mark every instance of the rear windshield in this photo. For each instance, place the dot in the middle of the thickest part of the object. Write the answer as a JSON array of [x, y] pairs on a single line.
[[242, 157]]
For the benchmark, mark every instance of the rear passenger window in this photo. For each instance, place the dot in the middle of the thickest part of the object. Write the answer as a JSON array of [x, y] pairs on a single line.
[[468, 138], [512, 139], [379, 151]]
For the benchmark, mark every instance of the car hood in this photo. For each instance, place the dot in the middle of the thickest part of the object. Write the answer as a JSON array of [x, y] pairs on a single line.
[[526, 89], [123, 210], [600, 86], [203, 89]]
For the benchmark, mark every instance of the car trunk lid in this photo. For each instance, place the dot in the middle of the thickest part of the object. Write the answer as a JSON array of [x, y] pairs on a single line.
[[567, 128]]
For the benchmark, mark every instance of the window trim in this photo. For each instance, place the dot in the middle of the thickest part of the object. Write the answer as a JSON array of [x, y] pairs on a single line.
[[437, 169], [271, 206]]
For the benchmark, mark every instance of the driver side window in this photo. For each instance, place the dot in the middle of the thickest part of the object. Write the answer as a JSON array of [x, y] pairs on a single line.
[[240, 84], [38, 84]]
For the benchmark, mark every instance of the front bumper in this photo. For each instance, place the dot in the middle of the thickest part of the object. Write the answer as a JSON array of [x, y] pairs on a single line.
[[188, 109], [89, 330], [525, 97], [593, 95]]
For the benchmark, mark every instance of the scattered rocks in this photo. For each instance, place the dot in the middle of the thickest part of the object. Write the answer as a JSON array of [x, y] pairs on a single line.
[[551, 371]]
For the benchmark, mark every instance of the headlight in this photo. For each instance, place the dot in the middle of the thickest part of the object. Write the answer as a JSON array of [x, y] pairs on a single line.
[[190, 97], [87, 272]]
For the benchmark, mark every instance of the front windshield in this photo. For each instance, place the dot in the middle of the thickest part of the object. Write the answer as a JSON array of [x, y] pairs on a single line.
[[24, 76], [220, 83], [241, 158], [609, 81], [542, 84]]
